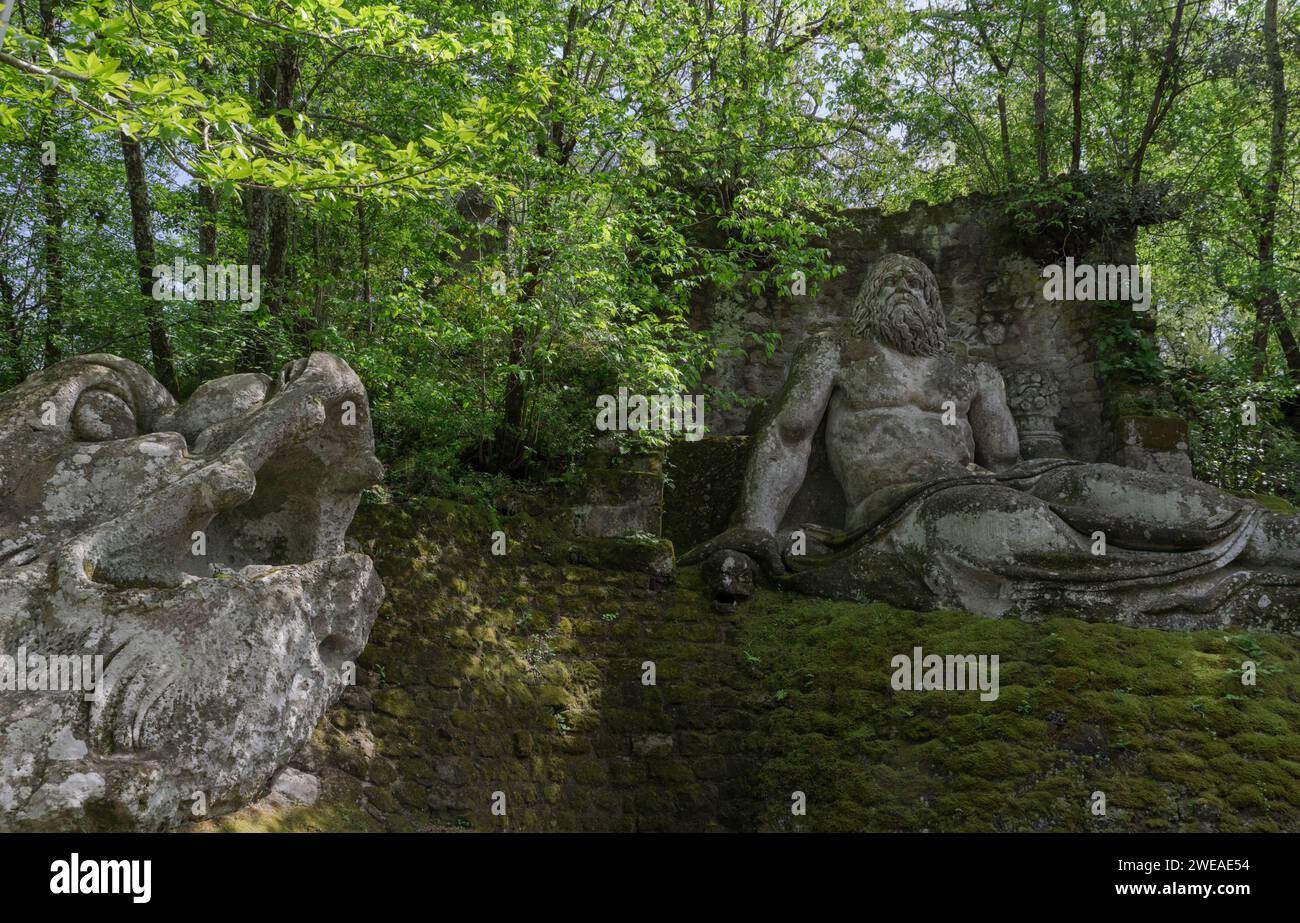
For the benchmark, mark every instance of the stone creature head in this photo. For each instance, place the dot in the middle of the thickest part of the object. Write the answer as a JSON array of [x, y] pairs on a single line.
[[899, 306], [197, 550]]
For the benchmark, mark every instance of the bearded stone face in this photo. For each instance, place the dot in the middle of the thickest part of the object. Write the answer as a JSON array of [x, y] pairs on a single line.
[[198, 551], [899, 305]]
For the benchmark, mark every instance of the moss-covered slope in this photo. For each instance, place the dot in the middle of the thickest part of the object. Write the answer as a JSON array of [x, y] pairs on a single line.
[[1157, 721], [524, 674]]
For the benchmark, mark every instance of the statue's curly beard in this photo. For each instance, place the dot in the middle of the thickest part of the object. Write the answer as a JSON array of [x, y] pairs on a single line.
[[903, 319], [910, 326]]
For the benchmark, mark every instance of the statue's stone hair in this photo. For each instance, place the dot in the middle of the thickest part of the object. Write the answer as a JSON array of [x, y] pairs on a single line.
[[920, 332]]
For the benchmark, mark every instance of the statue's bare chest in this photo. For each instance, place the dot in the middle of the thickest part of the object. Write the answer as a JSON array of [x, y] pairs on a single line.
[[873, 377]]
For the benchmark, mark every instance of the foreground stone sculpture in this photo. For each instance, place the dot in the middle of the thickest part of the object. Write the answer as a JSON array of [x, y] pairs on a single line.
[[198, 550], [943, 512]]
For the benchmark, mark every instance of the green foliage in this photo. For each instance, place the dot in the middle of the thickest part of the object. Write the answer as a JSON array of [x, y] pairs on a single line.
[[497, 214], [1092, 208], [493, 219], [1260, 457], [1123, 350]]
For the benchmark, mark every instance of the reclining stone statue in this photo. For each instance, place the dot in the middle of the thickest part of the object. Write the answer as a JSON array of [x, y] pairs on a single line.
[[942, 512], [176, 607]]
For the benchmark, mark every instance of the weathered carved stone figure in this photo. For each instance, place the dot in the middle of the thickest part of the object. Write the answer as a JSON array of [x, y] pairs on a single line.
[[198, 550], [943, 512]]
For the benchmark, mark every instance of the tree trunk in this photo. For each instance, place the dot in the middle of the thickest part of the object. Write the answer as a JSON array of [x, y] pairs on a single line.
[[1268, 300], [52, 258], [12, 332], [52, 208], [268, 211], [208, 365], [208, 210], [1040, 94], [1003, 68], [209, 200], [137, 192], [363, 239], [319, 310], [1076, 89], [510, 440], [1155, 112], [1008, 164]]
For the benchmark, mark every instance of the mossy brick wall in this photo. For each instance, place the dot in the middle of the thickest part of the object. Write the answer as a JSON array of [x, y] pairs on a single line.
[[523, 674], [622, 494]]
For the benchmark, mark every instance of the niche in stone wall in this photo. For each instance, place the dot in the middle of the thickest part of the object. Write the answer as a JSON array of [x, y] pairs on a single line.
[[990, 279]]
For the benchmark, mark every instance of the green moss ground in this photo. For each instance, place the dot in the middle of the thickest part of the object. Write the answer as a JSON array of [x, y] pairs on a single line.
[[335, 817], [1158, 721]]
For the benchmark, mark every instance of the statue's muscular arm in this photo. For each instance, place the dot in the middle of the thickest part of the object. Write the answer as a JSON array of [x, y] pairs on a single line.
[[997, 446], [779, 460]]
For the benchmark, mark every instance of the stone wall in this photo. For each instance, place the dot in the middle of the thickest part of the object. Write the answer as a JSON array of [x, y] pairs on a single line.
[[990, 279], [702, 488], [522, 674]]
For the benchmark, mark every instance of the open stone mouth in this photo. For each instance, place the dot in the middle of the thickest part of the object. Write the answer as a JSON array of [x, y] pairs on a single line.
[[726, 602], [273, 483], [294, 511]]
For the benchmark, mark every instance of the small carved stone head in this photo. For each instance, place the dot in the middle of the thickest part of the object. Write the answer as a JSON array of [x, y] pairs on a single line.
[[899, 306]]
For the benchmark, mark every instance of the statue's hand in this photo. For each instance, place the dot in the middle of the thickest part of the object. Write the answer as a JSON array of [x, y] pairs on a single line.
[[757, 543]]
